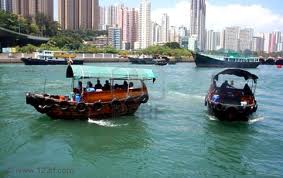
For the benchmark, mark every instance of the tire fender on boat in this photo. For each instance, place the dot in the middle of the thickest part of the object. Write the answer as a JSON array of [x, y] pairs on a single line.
[[116, 105], [81, 107], [97, 106], [129, 103], [219, 107], [49, 103], [64, 105], [144, 98]]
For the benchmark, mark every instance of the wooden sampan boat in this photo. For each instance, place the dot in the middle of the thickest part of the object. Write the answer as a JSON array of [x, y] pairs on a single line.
[[229, 103], [96, 105]]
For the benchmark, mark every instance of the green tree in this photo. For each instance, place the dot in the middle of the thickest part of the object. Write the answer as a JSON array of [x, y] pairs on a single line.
[[173, 45]]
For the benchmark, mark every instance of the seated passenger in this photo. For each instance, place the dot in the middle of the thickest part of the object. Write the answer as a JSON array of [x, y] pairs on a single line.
[[224, 85], [98, 85], [247, 90], [107, 86], [89, 84], [80, 87], [125, 85], [131, 85], [116, 86], [89, 87], [232, 84]]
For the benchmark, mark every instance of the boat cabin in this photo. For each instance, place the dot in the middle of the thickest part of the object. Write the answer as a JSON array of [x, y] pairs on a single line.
[[49, 55], [241, 59], [91, 84], [234, 91]]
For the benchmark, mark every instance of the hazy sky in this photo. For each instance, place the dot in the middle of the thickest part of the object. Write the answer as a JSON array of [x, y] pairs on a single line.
[[263, 15]]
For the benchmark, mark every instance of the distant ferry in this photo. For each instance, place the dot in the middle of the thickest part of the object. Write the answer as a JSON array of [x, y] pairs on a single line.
[[151, 60], [204, 60], [52, 58]]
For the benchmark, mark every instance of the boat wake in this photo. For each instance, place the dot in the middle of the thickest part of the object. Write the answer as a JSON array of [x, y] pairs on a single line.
[[252, 120], [105, 123], [255, 119], [212, 118]]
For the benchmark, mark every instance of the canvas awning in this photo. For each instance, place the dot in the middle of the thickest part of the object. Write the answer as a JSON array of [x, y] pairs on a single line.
[[81, 72], [237, 72]]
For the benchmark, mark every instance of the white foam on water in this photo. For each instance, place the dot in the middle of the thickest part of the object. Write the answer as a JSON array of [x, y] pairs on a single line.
[[105, 123], [256, 119], [179, 95], [212, 118]]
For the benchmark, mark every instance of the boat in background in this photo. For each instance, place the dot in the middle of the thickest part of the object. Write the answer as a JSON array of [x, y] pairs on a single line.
[[152, 60], [204, 60], [279, 61], [142, 59], [230, 102], [53, 58]]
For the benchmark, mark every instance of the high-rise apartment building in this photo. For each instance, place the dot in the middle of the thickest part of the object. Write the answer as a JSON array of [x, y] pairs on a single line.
[[114, 37], [78, 14], [31, 7], [6, 5], [231, 36], [133, 26], [155, 33], [173, 34], [212, 40], [198, 16], [165, 28], [145, 24], [257, 44], [245, 39]]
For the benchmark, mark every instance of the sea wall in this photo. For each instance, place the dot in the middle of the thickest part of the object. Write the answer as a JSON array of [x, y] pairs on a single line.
[[88, 58]]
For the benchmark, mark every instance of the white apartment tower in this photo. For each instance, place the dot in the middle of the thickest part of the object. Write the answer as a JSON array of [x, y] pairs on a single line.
[[231, 36], [165, 28], [145, 24], [245, 39]]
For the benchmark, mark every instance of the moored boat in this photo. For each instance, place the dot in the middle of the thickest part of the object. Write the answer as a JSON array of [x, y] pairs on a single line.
[[52, 58], [229, 102], [203, 60], [279, 61], [142, 59], [96, 102]]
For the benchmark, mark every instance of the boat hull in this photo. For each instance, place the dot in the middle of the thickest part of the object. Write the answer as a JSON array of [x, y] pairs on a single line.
[[29, 61], [205, 61], [70, 110], [230, 113], [144, 61], [279, 62]]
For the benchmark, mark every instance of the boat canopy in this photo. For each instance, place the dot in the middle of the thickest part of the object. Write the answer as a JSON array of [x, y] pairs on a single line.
[[238, 72], [81, 72]]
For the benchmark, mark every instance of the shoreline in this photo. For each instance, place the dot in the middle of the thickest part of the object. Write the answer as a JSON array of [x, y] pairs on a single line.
[[16, 59]]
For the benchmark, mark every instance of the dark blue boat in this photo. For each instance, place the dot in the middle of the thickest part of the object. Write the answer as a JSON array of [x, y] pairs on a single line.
[[53, 58], [203, 60]]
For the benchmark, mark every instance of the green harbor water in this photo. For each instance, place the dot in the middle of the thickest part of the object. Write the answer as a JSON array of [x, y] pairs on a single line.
[[171, 136]]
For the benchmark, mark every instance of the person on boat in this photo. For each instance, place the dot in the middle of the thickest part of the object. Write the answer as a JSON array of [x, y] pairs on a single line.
[[89, 87], [106, 86], [98, 86], [125, 85], [89, 84], [116, 86], [225, 85], [247, 90], [80, 87], [131, 85]]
